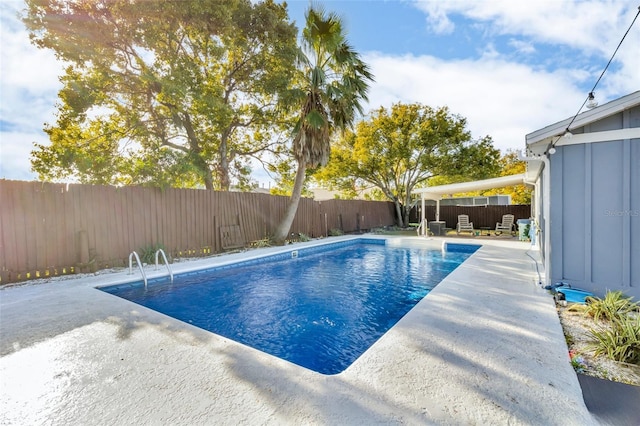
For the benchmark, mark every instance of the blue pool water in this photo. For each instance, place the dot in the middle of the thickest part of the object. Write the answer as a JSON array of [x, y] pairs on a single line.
[[320, 310]]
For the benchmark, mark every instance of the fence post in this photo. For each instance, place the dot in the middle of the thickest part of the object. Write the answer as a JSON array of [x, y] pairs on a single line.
[[326, 226]]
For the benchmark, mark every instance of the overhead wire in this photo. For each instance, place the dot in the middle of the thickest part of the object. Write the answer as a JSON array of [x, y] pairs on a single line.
[[590, 95]]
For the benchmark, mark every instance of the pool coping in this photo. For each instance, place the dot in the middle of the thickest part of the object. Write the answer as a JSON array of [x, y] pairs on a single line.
[[485, 346]]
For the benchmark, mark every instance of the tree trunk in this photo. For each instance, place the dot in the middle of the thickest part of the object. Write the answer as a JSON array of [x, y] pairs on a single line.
[[206, 174], [223, 165], [223, 175], [407, 208], [399, 212], [208, 180], [196, 150], [281, 232], [204, 170], [407, 213]]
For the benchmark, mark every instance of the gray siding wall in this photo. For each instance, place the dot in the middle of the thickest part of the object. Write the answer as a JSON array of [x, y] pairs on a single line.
[[634, 218], [607, 227], [595, 211], [634, 202]]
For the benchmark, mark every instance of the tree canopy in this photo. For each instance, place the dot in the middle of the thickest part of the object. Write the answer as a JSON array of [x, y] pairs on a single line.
[[396, 150], [330, 82], [177, 93]]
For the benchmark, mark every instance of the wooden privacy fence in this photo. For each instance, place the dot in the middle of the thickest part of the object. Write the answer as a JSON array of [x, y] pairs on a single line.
[[49, 229], [481, 216]]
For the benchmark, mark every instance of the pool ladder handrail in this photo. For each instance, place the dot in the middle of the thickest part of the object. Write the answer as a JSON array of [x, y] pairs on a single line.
[[166, 262], [131, 256], [423, 228]]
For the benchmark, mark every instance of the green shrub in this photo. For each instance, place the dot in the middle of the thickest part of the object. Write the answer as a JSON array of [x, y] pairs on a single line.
[[620, 342], [335, 232], [303, 237], [148, 254], [615, 305]]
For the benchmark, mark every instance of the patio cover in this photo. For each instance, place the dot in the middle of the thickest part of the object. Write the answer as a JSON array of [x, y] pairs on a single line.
[[436, 192]]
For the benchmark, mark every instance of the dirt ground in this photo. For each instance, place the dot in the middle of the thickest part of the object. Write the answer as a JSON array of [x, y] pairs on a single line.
[[576, 328]]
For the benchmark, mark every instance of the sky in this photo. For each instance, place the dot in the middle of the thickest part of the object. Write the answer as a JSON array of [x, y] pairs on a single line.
[[509, 67]]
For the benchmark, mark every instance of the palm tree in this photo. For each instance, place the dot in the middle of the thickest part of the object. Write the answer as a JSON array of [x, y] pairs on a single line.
[[332, 80]]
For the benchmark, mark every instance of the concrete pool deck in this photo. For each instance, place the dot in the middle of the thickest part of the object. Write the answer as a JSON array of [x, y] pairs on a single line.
[[484, 347]]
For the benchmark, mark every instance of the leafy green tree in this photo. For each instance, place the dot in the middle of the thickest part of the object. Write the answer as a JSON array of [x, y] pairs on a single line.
[[397, 150], [163, 92], [509, 165], [285, 169], [330, 83]]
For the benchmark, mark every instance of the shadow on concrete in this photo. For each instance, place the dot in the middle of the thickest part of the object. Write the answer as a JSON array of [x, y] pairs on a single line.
[[32, 314]]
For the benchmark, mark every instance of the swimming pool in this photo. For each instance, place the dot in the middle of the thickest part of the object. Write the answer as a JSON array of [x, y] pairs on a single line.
[[318, 307]]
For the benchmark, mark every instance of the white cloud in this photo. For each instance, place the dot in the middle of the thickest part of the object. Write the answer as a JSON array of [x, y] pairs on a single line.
[[522, 46], [591, 25], [594, 27], [437, 17], [33, 70], [29, 87], [501, 99], [15, 151], [29, 75]]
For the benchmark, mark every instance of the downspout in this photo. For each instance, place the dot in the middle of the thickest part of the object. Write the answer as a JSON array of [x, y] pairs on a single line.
[[422, 215], [546, 211]]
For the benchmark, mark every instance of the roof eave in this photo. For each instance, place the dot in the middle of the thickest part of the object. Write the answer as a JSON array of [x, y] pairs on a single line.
[[545, 135]]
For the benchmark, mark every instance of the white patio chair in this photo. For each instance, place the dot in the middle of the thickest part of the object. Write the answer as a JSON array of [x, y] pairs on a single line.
[[463, 224], [506, 225]]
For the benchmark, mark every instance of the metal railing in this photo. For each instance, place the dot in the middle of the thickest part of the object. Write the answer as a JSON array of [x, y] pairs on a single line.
[[144, 276], [166, 262], [423, 228]]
